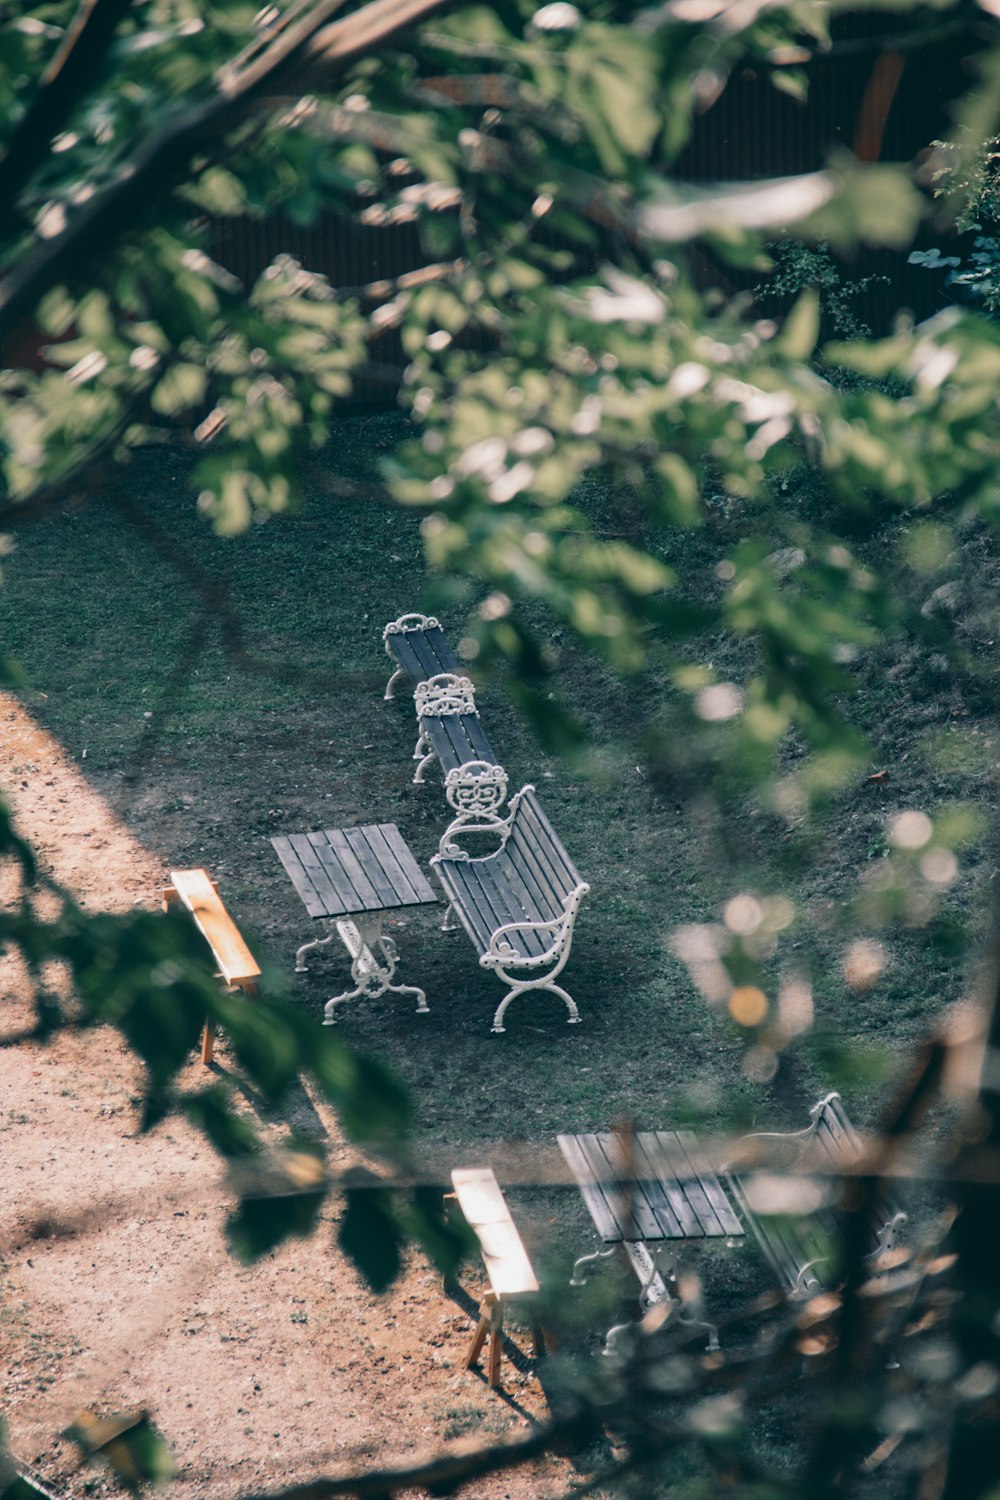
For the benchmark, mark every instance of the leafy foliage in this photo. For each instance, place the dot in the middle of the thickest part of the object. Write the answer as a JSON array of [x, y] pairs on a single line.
[[561, 345]]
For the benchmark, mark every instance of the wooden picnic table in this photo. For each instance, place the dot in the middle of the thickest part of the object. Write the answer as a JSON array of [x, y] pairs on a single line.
[[354, 876], [652, 1185]]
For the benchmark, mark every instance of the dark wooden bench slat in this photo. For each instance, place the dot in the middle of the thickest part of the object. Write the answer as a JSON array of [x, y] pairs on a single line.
[[549, 839], [523, 855], [467, 899], [549, 871], [601, 1211], [532, 909], [507, 908], [432, 652], [451, 740], [401, 646]]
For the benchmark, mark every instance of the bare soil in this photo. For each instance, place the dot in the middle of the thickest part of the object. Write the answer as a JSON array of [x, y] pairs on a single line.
[[116, 1288]]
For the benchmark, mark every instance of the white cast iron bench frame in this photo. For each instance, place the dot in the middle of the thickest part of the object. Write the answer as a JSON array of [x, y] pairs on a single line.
[[449, 726], [416, 644], [518, 903], [802, 1249]]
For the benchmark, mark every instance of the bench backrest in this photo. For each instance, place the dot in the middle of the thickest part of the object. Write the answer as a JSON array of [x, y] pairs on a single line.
[[535, 853], [804, 1242]]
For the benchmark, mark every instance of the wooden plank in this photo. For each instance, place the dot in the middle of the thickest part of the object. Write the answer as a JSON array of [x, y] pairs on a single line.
[[605, 1221], [546, 902], [468, 902], [482, 749], [444, 657], [631, 1192], [675, 1162], [431, 650], [389, 864], [401, 646], [216, 926], [342, 850], [710, 1184], [357, 842], [486, 1211], [526, 898], [507, 908], [422, 887], [599, 1173], [313, 901], [310, 848], [664, 1192], [334, 872], [550, 838]]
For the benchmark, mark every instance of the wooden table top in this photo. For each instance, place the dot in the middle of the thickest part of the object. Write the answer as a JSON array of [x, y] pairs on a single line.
[[665, 1191], [339, 871]]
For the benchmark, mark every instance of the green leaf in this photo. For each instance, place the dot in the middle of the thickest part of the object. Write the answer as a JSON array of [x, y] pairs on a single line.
[[800, 331], [182, 387], [127, 1442], [291, 1193], [370, 1234]]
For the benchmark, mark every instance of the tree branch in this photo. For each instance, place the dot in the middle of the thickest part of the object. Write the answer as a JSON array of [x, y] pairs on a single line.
[[162, 162], [60, 87]]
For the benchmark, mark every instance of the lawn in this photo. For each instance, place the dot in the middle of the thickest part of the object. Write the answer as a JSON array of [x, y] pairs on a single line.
[[217, 692]]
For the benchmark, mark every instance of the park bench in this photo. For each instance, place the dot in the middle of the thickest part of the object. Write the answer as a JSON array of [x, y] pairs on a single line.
[[449, 727], [518, 903], [511, 1276], [236, 964], [803, 1241], [417, 645]]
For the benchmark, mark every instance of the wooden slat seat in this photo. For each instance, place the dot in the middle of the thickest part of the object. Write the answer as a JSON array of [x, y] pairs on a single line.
[[803, 1242], [511, 1274], [236, 964], [518, 903], [417, 645]]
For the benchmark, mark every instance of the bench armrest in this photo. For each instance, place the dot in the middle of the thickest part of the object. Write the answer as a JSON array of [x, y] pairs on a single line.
[[502, 954]]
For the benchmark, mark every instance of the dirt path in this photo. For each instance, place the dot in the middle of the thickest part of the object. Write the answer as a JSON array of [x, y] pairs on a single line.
[[257, 1377]]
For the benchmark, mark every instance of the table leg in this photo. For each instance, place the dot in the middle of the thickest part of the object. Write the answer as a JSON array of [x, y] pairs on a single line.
[[373, 964], [301, 967]]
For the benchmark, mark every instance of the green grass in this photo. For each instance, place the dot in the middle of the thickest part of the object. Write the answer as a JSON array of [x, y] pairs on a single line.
[[211, 732]]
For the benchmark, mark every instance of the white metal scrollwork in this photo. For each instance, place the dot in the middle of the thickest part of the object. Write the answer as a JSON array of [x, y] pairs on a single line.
[[442, 696], [502, 957], [401, 626], [476, 791]]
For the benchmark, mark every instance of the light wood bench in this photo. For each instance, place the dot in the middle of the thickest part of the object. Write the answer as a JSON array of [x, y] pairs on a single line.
[[237, 966], [510, 1272], [518, 903], [804, 1246]]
